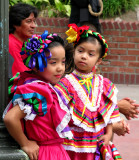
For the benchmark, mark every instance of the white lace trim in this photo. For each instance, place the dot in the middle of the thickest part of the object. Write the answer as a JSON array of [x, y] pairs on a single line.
[[77, 129], [27, 109], [114, 98], [6, 109], [82, 95], [65, 120], [97, 128], [83, 75]]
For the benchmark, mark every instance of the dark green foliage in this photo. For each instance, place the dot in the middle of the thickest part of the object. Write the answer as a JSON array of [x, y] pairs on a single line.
[[117, 7]]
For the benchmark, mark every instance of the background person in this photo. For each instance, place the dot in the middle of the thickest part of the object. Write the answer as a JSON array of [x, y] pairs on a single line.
[[80, 14], [21, 27]]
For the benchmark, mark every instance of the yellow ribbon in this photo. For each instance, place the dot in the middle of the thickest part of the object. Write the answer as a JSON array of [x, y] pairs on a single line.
[[88, 83]]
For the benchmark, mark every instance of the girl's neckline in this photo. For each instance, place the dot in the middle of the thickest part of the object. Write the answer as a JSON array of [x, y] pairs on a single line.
[[83, 75]]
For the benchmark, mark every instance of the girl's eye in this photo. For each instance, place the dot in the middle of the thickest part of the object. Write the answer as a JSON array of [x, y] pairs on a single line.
[[63, 62], [53, 62], [90, 54], [79, 51]]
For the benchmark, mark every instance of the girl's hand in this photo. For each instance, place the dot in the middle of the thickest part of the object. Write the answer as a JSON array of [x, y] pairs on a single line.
[[105, 138], [121, 128], [32, 150]]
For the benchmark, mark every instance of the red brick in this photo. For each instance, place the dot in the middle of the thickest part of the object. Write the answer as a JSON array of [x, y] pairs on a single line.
[[116, 25], [129, 33], [126, 70], [122, 25], [59, 30], [121, 78], [133, 52], [133, 64], [134, 25], [38, 21], [128, 26], [132, 80], [112, 57], [61, 22], [105, 63], [109, 69], [137, 79], [120, 39], [128, 58], [42, 29], [108, 38], [127, 78], [44, 21], [110, 25], [66, 22], [126, 45], [116, 78], [118, 51], [50, 22], [55, 22], [118, 63], [104, 25], [106, 75], [114, 32], [135, 40], [111, 76], [113, 45], [137, 70]]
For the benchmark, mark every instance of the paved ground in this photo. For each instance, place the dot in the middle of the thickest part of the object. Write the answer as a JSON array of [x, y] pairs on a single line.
[[128, 145]]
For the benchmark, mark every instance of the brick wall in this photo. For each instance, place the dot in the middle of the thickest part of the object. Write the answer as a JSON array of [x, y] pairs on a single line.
[[122, 64]]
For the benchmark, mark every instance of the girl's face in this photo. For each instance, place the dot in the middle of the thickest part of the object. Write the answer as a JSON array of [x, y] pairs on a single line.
[[55, 65], [86, 56]]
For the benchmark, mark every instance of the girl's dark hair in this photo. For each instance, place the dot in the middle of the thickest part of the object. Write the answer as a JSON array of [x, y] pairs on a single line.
[[93, 40], [19, 12], [56, 41], [69, 49]]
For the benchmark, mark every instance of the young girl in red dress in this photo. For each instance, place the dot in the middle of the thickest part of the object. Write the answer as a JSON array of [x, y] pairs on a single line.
[[34, 102], [91, 98]]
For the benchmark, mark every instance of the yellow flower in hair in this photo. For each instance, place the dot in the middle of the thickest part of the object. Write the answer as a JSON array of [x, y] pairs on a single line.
[[72, 35]]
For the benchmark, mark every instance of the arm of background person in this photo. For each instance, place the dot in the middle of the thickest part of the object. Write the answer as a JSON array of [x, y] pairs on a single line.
[[128, 108], [121, 128]]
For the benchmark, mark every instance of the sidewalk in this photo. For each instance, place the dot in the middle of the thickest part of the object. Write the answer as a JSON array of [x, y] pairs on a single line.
[[128, 146]]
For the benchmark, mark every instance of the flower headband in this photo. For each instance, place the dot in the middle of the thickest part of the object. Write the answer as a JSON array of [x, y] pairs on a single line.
[[33, 51], [75, 33]]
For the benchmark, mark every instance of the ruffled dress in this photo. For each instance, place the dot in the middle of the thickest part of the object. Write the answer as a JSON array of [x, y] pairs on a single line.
[[47, 118], [92, 102]]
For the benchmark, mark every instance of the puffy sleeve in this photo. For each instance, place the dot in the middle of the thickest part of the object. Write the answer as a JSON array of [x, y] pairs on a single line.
[[61, 116], [64, 90], [108, 105], [34, 98]]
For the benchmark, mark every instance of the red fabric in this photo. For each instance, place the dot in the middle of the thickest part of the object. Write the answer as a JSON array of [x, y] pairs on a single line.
[[15, 46]]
